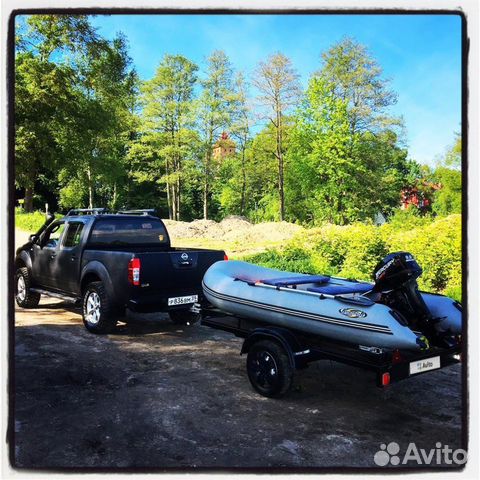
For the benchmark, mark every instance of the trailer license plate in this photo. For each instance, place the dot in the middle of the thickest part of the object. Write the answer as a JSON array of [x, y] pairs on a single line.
[[182, 300], [424, 365]]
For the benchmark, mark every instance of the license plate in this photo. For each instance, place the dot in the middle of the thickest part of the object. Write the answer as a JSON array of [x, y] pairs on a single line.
[[182, 300], [424, 365]]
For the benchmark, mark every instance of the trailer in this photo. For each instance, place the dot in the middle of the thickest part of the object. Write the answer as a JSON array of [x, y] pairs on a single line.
[[274, 353]]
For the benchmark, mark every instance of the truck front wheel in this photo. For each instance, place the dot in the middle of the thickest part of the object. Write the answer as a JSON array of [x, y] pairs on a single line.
[[24, 297], [97, 310], [269, 369]]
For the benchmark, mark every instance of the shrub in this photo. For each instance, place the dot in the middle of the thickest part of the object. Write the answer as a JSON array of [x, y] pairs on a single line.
[[353, 251]]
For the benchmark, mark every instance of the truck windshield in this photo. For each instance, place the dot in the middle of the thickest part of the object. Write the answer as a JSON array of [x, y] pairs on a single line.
[[128, 231]]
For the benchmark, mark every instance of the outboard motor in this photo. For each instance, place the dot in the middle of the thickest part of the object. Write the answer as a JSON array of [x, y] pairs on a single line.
[[396, 283]]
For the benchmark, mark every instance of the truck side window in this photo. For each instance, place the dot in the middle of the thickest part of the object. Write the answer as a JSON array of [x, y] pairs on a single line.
[[74, 232], [53, 234]]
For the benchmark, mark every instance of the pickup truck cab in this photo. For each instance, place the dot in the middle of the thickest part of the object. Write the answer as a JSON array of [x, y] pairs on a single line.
[[111, 262]]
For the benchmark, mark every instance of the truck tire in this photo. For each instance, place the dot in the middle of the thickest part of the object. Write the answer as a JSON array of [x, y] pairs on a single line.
[[183, 317], [269, 369], [24, 297], [98, 313]]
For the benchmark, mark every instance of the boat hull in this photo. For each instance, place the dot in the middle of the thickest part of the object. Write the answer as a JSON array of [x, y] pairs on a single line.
[[234, 287]]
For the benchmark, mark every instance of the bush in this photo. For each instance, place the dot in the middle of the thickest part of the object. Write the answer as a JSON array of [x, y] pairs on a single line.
[[353, 251]]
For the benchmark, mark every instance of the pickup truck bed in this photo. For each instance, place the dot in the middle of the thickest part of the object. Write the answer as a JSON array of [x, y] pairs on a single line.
[[111, 262]]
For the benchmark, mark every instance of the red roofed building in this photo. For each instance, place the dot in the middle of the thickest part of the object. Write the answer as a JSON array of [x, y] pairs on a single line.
[[419, 197]]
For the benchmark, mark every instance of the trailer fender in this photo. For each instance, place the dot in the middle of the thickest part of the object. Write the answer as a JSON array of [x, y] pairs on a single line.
[[286, 339]]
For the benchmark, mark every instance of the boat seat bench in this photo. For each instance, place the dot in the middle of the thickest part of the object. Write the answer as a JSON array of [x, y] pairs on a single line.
[[342, 289], [291, 281]]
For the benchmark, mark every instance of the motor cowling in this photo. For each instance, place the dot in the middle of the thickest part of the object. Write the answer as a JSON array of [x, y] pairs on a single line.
[[396, 283], [395, 270]]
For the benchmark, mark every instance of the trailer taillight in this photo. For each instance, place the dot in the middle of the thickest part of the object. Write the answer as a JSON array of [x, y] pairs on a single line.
[[225, 256], [396, 356], [385, 379], [134, 271]]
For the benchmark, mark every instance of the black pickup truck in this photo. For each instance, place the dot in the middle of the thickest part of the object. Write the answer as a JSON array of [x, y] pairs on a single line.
[[111, 262]]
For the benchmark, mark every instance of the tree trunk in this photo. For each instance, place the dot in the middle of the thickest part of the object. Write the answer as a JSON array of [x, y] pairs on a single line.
[[114, 200], [90, 187], [244, 184], [28, 202], [206, 186], [169, 194], [178, 199], [281, 192]]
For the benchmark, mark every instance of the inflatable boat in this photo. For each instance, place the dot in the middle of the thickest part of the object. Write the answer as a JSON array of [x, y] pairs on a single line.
[[389, 313]]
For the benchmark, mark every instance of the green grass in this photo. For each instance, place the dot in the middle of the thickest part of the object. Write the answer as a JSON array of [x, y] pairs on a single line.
[[29, 222]]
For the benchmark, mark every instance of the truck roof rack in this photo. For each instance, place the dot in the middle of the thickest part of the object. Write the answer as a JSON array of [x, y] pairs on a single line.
[[86, 211], [144, 211]]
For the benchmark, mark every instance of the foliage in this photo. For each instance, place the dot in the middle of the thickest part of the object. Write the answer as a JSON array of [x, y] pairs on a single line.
[[279, 89], [167, 122], [215, 110], [353, 251], [89, 131], [448, 199], [338, 174], [29, 221]]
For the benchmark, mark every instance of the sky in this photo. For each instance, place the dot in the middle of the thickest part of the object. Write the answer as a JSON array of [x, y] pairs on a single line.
[[419, 54]]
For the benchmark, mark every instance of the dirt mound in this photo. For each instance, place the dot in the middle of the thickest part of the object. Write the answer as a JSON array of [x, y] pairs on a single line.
[[233, 229]]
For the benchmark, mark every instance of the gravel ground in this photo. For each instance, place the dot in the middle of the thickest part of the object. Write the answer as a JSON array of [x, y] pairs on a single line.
[[159, 396]]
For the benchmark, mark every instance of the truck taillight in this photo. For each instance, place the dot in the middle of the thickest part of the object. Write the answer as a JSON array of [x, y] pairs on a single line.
[[134, 271], [225, 256]]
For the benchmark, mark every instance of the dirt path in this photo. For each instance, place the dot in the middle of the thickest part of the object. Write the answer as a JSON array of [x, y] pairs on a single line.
[[158, 396]]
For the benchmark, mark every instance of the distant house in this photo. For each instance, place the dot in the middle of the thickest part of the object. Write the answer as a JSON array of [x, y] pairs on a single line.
[[419, 197], [224, 147]]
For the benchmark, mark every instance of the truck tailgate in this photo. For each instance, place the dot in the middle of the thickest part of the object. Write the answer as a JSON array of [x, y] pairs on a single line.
[[173, 273]]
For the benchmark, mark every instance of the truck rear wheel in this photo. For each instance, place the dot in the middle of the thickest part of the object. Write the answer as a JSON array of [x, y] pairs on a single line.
[[97, 310], [24, 297], [183, 317], [269, 369]]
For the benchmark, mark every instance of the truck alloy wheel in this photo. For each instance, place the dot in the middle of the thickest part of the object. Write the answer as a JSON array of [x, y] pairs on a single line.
[[24, 296], [98, 314], [93, 308], [21, 289]]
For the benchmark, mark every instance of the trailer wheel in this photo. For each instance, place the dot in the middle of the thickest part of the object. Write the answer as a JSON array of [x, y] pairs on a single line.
[[98, 313], [183, 317], [269, 369], [24, 297]]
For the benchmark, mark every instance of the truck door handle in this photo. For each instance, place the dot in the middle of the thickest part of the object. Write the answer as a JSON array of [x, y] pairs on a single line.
[[73, 258], [53, 255]]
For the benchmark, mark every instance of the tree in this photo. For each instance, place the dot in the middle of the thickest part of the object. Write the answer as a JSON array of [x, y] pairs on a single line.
[[44, 97], [346, 157], [95, 150], [279, 89], [167, 112], [241, 132], [448, 198], [336, 175], [356, 78], [215, 108]]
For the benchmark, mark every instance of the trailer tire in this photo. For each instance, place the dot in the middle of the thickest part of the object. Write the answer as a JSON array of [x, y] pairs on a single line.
[[98, 313], [183, 317], [269, 369], [24, 297]]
